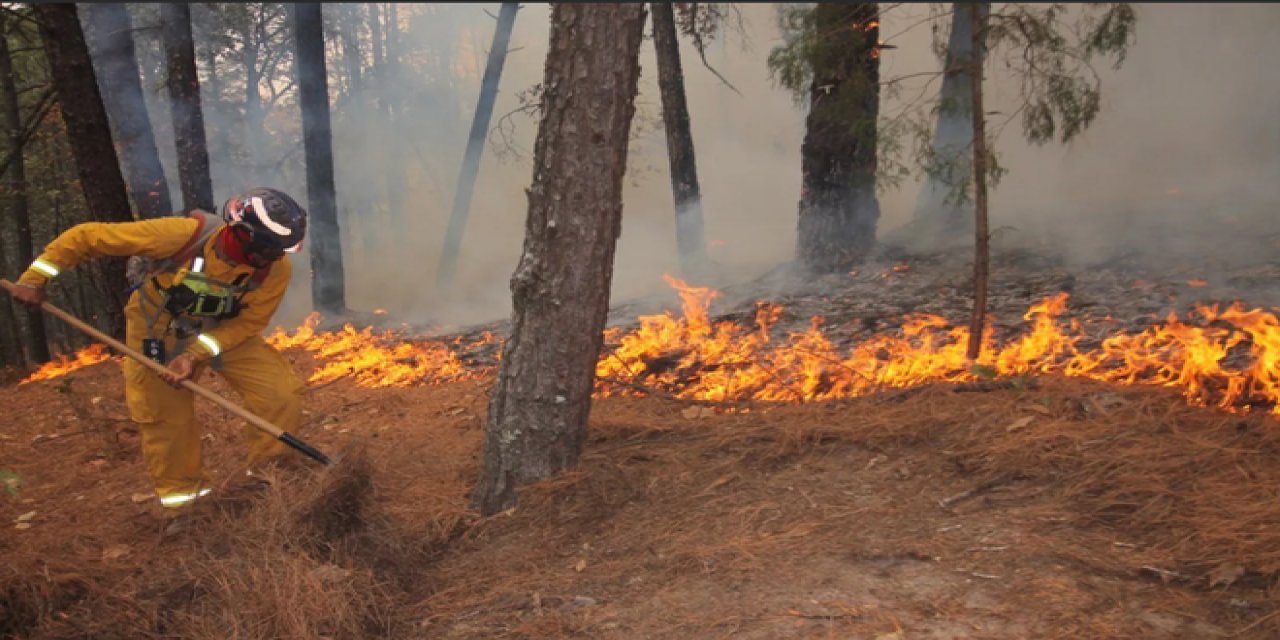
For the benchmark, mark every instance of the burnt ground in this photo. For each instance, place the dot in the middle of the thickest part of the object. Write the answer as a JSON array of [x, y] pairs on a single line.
[[1056, 508]]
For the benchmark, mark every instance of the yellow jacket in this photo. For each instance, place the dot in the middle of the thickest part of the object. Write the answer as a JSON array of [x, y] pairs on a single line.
[[161, 238]]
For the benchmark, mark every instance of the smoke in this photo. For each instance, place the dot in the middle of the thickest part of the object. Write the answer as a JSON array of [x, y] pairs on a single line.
[[1180, 163]]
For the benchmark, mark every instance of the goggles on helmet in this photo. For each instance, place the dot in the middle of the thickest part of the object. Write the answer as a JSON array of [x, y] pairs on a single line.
[[259, 240]]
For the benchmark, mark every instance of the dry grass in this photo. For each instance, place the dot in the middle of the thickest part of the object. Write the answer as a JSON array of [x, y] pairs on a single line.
[[725, 525]]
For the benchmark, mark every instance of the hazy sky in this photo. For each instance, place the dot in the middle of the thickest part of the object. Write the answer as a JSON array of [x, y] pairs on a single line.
[[1186, 145]]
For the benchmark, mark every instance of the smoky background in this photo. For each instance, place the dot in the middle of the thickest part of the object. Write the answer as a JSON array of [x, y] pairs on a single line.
[[1179, 170]]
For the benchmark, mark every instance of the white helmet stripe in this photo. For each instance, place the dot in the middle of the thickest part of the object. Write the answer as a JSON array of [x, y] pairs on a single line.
[[261, 210]]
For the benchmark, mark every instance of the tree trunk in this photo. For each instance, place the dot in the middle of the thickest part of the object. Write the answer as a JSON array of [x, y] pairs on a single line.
[[14, 191], [982, 254], [838, 205], [327, 287], [89, 133], [389, 91], [942, 210], [254, 114], [560, 289], [475, 142], [352, 56], [18, 210], [110, 32], [184, 106], [675, 119]]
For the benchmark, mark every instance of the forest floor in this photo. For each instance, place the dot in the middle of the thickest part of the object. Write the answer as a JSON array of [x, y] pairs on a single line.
[[1060, 508]]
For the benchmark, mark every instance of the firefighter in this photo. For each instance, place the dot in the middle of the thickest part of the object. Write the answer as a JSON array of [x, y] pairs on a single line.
[[204, 290]]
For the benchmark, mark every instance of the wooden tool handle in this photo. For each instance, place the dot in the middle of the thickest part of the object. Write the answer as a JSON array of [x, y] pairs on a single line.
[[155, 366]]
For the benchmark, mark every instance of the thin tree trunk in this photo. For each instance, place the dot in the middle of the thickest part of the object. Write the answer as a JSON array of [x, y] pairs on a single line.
[[184, 106], [838, 205], [475, 143], [560, 289], [675, 119], [389, 91], [352, 56], [375, 36], [116, 63], [254, 114], [941, 209], [18, 210], [982, 253], [377, 218], [327, 287], [105, 194]]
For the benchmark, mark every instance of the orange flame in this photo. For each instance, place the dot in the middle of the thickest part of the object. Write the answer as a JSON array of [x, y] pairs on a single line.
[[382, 360], [1229, 358], [92, 354]]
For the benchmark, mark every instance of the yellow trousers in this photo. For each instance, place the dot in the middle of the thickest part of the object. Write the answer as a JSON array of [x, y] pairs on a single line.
[[166, 416]]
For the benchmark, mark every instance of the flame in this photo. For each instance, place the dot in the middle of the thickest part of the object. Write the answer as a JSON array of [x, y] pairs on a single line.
[[92, 354], [1196, 282], [1228, 358], [380, 360], [692, 358]]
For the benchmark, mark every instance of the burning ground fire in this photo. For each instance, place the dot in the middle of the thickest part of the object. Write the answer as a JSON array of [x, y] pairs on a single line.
[[690, 356], [92, 354]]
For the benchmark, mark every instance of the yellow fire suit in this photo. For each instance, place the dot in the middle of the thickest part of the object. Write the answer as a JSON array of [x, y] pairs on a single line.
[[165, 415]]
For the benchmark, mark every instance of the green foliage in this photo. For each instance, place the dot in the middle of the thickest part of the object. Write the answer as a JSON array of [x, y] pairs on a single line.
[[808, 43], [1061, 90], [1049, 50], [11, 481]]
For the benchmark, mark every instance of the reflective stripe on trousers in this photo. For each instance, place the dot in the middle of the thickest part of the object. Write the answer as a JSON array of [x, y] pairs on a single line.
[[179, 499]]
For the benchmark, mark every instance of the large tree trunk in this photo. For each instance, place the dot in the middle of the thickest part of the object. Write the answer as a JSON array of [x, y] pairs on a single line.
[[942, 212], [675, 119], [982, 253], [10, 335], [327, 287], [184, 106], [838, 205], [85, 117], [17, 209], [560, 289], [111, 33], [475, 143]]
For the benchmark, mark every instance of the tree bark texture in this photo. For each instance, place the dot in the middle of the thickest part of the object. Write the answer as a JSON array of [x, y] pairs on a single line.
[[475, 143], [17, 206], [89, 133], [690, 236], [184, 106], [982, 253], [560, 289], [116, 65], [328, 291], [941, 206], [838, 205]]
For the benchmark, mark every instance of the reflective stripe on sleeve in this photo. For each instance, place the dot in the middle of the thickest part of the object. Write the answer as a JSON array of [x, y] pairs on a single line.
[[210, 344], [183, 498], [49, 269]]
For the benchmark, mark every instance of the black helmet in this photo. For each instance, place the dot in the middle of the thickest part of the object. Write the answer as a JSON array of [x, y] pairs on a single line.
[[276, 222]]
